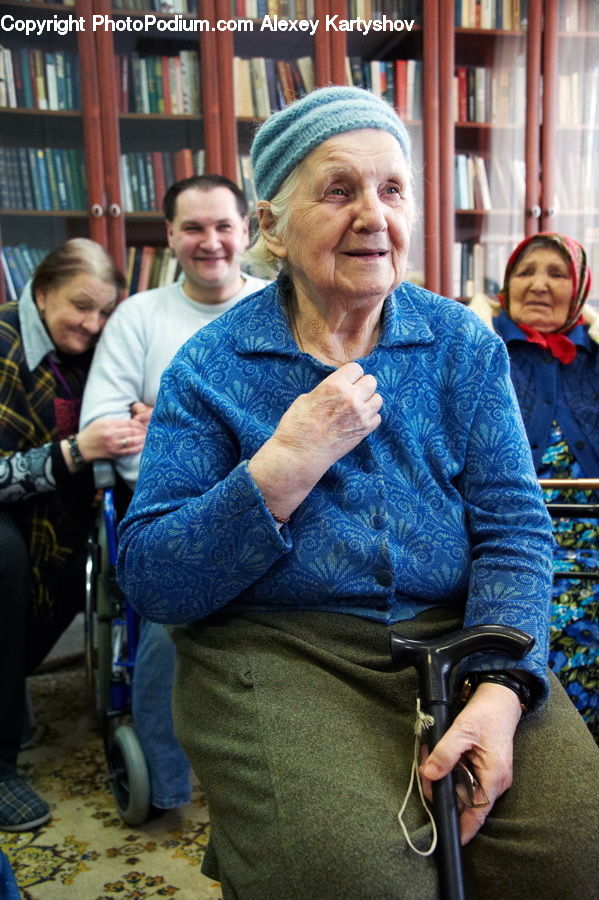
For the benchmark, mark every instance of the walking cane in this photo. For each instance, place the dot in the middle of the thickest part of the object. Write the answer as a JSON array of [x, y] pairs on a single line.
[[434, 660]]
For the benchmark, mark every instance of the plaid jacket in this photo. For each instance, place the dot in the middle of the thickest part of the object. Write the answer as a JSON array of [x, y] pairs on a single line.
[[54, 523]]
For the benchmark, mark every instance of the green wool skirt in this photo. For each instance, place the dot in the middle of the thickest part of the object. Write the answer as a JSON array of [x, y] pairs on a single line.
[[302, 737]]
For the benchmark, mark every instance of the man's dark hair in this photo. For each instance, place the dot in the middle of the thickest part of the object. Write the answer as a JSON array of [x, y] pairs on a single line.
[[202, 183]]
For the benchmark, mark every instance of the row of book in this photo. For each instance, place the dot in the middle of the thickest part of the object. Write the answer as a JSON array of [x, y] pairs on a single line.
[[393, 9], [501, 15], [54, 178], [262, 85], [285, 9], [147, 267], [576, 106], [185, 7], [399, 81], [150, 267], [146, 175], [31, 78], [159, 84], [42, 178], [577, 177], [512, 15], [308, 9], [476, 188], [578, 15], [478, 268], [18, 264], [482, 94]]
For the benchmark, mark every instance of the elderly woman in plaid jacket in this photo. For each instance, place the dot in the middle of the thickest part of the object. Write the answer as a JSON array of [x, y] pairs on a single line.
[[46, 490]]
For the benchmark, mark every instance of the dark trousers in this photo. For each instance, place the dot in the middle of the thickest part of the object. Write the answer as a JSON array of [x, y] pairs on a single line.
[[25, 638]]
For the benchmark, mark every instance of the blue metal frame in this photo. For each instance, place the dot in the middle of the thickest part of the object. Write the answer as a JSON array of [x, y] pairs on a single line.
[[123, 662]]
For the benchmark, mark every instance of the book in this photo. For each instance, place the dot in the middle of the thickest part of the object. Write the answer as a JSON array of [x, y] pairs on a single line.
[[147, 258], [41, 97], [9, 75], [51, 179], [259, 88], [51, 84], [183, 164], [244, 102], [158, 178], [305, 64], [482, 194], [25, 179], [42, 176], [11, 291], [247, 180]]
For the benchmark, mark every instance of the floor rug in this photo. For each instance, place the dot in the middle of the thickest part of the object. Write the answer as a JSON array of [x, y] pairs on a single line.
[[86, 852]]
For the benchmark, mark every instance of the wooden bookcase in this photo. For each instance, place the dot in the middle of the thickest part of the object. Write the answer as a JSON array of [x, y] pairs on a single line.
[[533, 126]]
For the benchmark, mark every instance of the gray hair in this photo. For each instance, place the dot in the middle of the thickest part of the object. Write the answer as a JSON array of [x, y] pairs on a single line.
[[75, 257]]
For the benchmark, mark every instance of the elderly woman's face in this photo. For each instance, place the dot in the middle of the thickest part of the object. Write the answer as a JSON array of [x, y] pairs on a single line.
[[540, 290], [349, 220], [75, 312]]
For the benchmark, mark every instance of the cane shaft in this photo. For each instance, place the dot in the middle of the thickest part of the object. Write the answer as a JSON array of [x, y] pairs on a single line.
[[449, 850]]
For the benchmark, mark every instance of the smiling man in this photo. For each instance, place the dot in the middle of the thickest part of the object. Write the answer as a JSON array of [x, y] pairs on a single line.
[[207, 230]]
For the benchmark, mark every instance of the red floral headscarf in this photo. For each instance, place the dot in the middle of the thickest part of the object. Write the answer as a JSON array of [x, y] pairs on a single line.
[[556, 342]]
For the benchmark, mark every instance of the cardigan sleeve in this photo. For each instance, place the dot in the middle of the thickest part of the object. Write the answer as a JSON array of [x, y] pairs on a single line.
[[197, 531], [510, 529]]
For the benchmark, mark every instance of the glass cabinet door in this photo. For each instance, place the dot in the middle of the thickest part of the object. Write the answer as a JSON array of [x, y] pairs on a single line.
[[389, 62], [50, 176], [489, 110], [571, 197]]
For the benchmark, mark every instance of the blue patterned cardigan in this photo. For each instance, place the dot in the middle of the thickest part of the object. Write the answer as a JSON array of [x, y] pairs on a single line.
[[438, 507]]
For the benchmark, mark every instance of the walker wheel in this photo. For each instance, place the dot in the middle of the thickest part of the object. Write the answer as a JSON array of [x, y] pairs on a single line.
[[130, 780]]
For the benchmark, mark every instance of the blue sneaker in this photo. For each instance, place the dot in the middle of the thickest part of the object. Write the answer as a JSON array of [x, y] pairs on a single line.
[[20, 807]]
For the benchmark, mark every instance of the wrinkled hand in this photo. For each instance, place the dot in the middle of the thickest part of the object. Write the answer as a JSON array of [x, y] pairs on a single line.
[[141, 412], [318, 429], [111, 438], [322, 426], [483, 732]]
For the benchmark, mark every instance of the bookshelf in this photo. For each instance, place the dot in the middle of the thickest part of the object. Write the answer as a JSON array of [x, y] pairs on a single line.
[[527, 106], [501, 99], [50, 163]]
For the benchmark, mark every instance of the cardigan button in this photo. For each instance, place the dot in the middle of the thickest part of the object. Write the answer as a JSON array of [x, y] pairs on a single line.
[[384, 578], [580, 445]]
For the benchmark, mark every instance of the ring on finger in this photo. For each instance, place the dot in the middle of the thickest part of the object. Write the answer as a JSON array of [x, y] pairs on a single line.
[[124, 442]]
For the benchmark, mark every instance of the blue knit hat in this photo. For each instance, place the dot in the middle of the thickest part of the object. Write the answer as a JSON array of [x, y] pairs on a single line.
[[291, 134]]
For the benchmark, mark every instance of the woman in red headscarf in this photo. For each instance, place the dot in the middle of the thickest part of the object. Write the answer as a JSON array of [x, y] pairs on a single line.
[[555, 371]]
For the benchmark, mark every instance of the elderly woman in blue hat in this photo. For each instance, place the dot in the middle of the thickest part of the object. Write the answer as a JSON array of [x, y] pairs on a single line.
[[340, 457]]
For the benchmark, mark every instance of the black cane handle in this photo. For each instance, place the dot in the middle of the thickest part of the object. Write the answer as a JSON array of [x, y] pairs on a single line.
[[435, 659]]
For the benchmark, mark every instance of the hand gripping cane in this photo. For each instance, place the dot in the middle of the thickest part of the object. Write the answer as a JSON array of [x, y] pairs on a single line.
[[434, 660]]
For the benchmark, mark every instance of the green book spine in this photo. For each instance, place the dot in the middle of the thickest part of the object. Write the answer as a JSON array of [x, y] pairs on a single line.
[[25, 178], [42, 171], [25, 68], [52, 180], [38, 197], [61, 183]]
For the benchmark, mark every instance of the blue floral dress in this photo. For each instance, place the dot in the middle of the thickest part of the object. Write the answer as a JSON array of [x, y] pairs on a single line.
[[574, 632]]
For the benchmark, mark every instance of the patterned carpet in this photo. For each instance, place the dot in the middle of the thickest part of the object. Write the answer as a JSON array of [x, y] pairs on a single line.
[[86, 852]]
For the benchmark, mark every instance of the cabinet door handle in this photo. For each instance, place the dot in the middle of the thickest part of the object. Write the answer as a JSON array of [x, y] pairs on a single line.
[[114, 210], [96, 211], [534, 211], [549, 212]]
